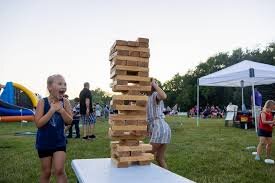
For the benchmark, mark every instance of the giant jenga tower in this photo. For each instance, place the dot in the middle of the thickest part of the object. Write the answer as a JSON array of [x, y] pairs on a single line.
[[129, 70]]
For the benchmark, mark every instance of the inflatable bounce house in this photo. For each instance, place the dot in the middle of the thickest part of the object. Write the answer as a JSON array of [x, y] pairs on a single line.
[[17, 103]]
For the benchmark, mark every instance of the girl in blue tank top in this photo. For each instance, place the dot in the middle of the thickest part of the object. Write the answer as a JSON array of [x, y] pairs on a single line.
[[51, 115]]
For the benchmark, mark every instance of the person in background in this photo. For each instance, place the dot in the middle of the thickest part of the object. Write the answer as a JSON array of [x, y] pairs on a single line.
[[266, 123], [52, 113], [76, 118], [258, 104], [86, 112], [106, 111], [97, 110]]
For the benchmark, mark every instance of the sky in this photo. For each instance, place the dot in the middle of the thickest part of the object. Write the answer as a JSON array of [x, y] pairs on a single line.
[[39, 38]]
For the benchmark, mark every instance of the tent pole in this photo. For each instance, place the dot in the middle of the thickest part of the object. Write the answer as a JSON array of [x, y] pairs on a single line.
[[198, 102], [255, 120]]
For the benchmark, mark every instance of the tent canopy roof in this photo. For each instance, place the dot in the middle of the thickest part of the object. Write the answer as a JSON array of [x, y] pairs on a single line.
[[233, 75]]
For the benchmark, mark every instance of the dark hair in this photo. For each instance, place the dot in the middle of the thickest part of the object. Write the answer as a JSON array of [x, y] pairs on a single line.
[[86, 84]]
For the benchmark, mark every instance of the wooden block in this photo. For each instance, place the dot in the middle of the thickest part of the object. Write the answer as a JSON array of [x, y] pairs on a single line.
[[129, 97], [129, 108], [128, 142], [141, 103], [113, 144], [121, 82], [117, 123], [117, 102], [134, 122], [135, 153], [120, 164], [130, 68], [142, 163], [143, 45], [143, 157], [121, 88], [122, 154], [128, 127], [140, 133], [117, 72], [138, 113], [140, 147], [121, 43], [143, 40], [136, 54], [132, 63], [142, 64], [117, 62], [118, 57], [143, 74], [145, 83], [145, 80], [140, 137], [142, 122], [116, 48], [144, 54], [133, 43]]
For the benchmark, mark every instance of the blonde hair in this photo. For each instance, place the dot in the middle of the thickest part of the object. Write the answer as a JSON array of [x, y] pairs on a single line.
[[51, 79], [268, 104]]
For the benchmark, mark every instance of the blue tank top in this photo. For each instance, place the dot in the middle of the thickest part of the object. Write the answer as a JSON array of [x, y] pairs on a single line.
[[51, 135]]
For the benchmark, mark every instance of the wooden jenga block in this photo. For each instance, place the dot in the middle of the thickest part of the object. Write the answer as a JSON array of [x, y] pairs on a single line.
[[129, 68], [143, 40], [130, 97], [120, 164], [146, 80], [142, 163], [140, 122], [142, 64], [143, 45], [117, 47], [133, 43], [128, 127], [129, 108], [122, 154], [140, 147], [142, 157], [119, 57], [132, 63], [134, 122], [135, 54], [136, 153], [128, 143], [123, 88], [144, 54]]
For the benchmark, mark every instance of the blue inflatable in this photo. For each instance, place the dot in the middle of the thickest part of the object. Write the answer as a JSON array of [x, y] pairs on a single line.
[[15, 112]]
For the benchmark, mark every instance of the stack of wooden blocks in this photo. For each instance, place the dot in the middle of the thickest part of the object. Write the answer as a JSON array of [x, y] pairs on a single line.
[[130, 73]]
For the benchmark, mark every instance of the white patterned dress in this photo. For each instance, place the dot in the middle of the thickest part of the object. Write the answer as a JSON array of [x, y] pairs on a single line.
[[160, 130]]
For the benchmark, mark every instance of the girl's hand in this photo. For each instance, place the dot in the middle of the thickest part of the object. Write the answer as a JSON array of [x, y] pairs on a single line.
[[154, 83], [56, 106]]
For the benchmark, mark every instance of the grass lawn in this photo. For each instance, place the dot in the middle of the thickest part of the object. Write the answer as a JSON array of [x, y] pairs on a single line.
[[211, 153]]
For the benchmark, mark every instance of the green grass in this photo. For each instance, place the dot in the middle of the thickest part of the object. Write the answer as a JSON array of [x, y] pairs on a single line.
[[211, 153]]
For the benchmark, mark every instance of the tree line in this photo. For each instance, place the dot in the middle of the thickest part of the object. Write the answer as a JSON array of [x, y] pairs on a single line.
[[182, 89]]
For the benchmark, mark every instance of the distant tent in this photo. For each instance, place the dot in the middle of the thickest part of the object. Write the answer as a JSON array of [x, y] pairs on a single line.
[[242, 74]]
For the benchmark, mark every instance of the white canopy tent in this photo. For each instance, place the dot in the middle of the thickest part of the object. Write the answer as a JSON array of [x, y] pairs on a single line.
[[242, 74]]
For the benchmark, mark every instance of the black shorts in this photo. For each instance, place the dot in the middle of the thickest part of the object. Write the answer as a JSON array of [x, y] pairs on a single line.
[[49, 152], [264, 133]]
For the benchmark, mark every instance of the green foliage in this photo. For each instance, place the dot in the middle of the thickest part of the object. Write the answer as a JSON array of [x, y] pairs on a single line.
[[101, 97], [181, 89]]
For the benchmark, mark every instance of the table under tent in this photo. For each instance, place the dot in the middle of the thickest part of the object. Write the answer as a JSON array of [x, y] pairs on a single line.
[[243, 74]]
